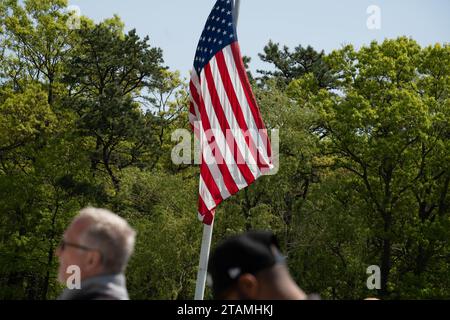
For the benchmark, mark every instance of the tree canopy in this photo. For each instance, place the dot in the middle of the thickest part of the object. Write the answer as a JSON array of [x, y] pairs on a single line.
[[86, 118]]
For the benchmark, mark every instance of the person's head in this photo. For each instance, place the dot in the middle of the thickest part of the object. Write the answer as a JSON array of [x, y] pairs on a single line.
[[98, 241], [251, 267]]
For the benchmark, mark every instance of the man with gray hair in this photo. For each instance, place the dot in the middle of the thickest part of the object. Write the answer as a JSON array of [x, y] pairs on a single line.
[[94, 251]]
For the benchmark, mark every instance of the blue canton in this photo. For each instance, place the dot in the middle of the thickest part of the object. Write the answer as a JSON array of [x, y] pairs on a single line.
[[219, 32]]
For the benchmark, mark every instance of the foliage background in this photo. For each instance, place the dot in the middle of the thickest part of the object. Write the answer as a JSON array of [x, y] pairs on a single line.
[[86, 117]]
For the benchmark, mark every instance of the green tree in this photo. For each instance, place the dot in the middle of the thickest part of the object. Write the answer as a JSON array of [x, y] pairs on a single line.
[[388, 128], [290, 65], [107, 73]]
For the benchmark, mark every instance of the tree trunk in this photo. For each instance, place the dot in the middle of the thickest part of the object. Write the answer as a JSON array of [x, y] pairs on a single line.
[[114, 179], [50, 253], [386, 259]]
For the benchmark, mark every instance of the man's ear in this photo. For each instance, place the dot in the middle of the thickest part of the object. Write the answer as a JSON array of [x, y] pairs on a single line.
[[94, 259], [248, 286]]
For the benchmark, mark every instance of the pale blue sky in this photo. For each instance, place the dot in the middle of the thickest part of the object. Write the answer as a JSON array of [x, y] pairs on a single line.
[[176, 25]]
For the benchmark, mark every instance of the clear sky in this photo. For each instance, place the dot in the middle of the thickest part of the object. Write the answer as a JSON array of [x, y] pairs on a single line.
[[176, 25]]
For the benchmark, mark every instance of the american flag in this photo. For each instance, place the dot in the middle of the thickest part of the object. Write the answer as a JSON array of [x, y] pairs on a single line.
[[235, 149]]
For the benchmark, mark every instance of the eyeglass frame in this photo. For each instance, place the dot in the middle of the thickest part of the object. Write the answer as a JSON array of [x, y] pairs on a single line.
[[63, 244]]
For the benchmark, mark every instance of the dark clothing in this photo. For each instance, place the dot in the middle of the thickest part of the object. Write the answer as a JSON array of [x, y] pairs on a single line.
[[105, 287]]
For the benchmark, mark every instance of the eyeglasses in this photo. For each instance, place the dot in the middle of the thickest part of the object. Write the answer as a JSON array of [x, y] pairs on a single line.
[[63, 244]]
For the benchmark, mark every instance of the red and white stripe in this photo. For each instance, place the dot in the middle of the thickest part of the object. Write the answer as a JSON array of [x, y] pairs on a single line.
[[235, 150]]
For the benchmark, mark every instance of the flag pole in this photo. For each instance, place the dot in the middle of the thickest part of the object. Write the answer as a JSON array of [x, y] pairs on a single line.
[[203, 266], [207, 230], [237, 5]]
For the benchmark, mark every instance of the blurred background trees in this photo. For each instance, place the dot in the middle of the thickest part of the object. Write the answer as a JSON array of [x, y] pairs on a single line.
[[86, 117]]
